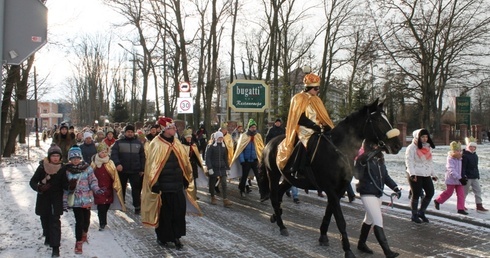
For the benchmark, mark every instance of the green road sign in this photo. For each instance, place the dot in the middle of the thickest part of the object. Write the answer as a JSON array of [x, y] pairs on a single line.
[[463, 110], [248, 96]]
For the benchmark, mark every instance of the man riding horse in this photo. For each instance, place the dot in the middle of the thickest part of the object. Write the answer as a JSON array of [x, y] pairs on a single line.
[[307, 116]]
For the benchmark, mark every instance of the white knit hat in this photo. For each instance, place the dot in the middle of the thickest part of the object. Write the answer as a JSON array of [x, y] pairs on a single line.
[[86, 135]]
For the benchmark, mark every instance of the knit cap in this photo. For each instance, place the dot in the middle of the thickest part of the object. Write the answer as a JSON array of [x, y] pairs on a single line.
[[102, 147], [251, 122], [75, 152], [455, 146], [54, 149], [86, 135]]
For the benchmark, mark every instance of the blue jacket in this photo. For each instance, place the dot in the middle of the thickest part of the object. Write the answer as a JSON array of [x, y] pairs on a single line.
[[248, 154], [130, 154], [88, 150], [470, 165]]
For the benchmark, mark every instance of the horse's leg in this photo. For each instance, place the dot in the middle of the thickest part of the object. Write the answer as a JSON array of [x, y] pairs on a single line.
[[341, 224], [276, 200], [323, 240]]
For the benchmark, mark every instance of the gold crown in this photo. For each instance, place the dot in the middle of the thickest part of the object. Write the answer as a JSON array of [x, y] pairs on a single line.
[[311, 80]]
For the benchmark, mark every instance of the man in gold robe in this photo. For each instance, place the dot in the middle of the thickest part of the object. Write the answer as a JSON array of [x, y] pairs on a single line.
[[167, 186], [194, 157], [307, 115], [249, 154]]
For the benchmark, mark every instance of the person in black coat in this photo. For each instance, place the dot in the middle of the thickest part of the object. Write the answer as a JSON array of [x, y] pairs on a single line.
[[48, 181], [275, 130], [129, 157], [217, 164], [373, 175]]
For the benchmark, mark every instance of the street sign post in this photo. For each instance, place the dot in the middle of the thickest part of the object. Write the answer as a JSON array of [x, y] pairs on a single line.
[[184, 105], [248, 96], [463, 110]]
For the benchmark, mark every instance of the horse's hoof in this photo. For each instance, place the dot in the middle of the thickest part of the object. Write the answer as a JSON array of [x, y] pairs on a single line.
[[349, 254], [323, 240], [273, 218], [284, 232]]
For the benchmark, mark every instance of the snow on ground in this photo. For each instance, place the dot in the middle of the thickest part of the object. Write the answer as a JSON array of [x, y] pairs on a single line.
[[20, 228]]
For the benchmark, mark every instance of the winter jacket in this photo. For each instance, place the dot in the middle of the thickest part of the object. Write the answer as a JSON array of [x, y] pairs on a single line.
[[88, 151], [49, 202], [86, 186], [372, 182], [217, 159], [130, 153], [453, 170], [416, 164], [273, 132], [64, 142], [171, 178], [248, 154], [110, 142], [470, 165], [105, 182]]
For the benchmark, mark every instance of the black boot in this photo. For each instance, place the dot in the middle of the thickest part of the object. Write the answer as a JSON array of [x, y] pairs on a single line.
[[178, 244], [361, 245], [383, 242], [56, 251]]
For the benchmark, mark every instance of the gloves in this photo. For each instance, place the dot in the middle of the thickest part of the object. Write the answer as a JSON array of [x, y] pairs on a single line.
[[45, 187], [210, 171], [72, 184], [398, 192], [463, 180], [100, 191]]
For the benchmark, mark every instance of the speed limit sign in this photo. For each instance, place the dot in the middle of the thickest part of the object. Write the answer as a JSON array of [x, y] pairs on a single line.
[[184, 105]]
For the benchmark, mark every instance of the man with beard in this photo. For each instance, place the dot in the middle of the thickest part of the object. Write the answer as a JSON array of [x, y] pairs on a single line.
[[129, 157], [168, 186]]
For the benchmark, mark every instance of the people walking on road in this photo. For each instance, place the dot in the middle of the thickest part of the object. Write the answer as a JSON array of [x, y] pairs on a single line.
[[373, 176], [88, 147], [109, 137], [217, 164], [275, 130], [194, 157], [248, 153], [167, 186], [49, 181], [128, 155], [420, 168], [454, 179], [108, 179], [80, 194], [64, 140], [471, 172]]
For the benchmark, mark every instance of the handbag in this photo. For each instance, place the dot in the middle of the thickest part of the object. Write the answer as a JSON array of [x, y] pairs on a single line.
[[71, 196]]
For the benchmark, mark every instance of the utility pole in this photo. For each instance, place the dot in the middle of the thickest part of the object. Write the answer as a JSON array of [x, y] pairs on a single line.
[[37, 108]]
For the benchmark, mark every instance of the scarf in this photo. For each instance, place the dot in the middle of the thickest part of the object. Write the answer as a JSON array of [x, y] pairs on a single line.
[[425, 152], [50, 169], [100, 161], [76, 169]]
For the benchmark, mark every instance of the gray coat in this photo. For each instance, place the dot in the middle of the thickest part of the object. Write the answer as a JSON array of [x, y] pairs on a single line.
[[217, 159]]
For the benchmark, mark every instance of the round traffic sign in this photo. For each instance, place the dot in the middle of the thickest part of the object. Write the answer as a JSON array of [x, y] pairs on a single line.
[[184, 87], [185, 105]]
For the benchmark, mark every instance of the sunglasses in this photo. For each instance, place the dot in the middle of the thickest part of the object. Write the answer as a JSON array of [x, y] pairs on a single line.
[[317, 88]]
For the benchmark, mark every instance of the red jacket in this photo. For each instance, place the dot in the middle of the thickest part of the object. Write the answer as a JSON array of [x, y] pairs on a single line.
[[105, 182]]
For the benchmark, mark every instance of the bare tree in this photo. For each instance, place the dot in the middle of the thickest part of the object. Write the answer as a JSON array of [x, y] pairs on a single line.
[[433, 43]]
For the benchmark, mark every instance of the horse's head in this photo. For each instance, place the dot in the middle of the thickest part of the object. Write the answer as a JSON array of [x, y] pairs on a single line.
[[378, 130]]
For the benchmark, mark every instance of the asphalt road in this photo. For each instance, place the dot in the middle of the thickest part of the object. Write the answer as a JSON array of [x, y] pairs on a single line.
[[245, 231]]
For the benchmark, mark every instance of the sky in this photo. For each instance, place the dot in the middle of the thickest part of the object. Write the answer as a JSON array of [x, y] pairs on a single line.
[[66, 20], [21, 230]]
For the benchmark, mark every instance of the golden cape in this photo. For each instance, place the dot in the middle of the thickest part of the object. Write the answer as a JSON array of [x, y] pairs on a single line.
[[116, 185], [196, 152], [299, 104], [158, 152], [229, 146], [243, 142]]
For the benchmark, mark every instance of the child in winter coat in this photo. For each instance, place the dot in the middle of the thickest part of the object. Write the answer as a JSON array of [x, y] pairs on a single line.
[[471, 172], [454, 179], [82, 183], [49, 181], [108, 179]]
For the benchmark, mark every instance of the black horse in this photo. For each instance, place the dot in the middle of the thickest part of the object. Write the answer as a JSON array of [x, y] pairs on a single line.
[[332, 157]]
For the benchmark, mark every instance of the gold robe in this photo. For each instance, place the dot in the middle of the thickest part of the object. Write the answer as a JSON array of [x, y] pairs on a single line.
[[158, 152], [228, 140], [116, 182], [243, 142], [315, 110]]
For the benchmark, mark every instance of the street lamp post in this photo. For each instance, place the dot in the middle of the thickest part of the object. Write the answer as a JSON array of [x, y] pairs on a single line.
[[37, 108]]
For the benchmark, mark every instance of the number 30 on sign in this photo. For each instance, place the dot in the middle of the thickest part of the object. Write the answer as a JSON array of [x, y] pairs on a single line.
[[184, 105]]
